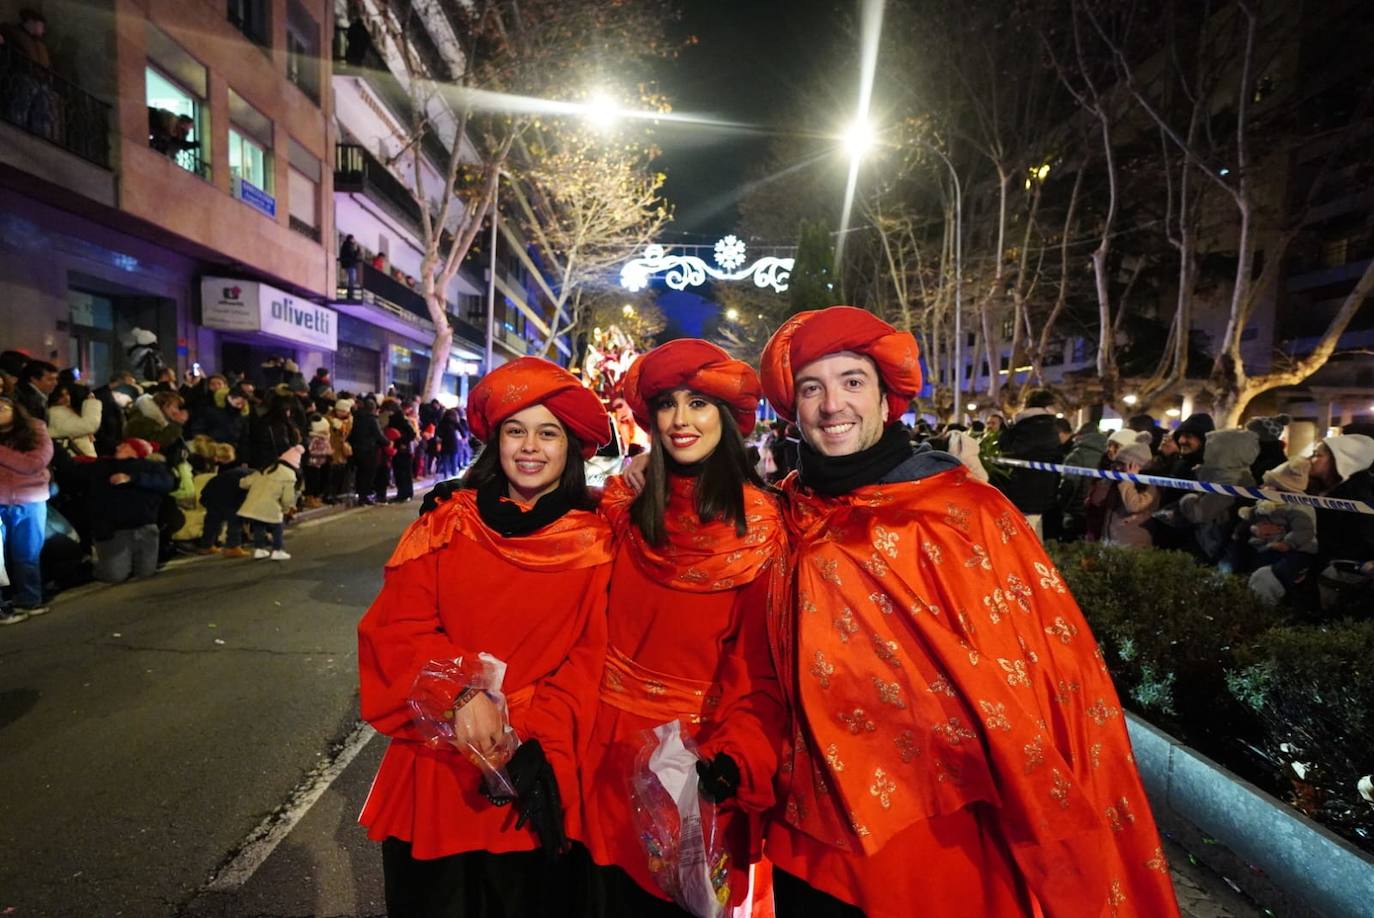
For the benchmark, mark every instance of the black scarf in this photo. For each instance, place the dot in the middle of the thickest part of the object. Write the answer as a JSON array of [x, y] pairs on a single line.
[[509, 519], [673, 467], [835, 475]]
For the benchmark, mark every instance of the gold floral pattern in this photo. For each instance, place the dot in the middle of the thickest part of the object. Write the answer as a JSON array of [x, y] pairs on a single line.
[[957, 517], [980, 558], [1101, 712], [940, 686], [1065, 631], [857, 722], [1019, 591], [954, 732], [876, 566], [832, 758], [995, 716], [882, 601], [889, 693], [933, 552], [1116, 898], [1035, 754], [1095, 755], [906, 746], [1049, 578], [1006, 525], [996, 605], [1060, 791], [1015, 670], [885, 541], [887, 650], [822, 669], [1157, 862], [845, 624], [883, 788], [1064, 690], [830, 570]]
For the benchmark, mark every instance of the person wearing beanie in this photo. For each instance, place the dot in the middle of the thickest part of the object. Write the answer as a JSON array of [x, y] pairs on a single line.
[[1341, 470], [1088, 452], [1144, 423], [699, 556], [319, 451], [221, 497], [925, 632], [340, 452], [1229, 455], [271, 495], [1191, 437], [515, 565], [1270, 431], [126, 492], [1033, 435], [1282, 536], [1129, 505], [367, 444]]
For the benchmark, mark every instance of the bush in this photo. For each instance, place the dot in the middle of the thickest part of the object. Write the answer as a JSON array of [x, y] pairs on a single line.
[[1169, 627], [1312, 689]]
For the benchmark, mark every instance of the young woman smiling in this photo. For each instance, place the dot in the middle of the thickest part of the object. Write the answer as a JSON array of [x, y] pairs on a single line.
[[515, 565], [699, 554]]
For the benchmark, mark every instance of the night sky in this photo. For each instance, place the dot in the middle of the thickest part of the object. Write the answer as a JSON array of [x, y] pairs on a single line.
[[754, 62]]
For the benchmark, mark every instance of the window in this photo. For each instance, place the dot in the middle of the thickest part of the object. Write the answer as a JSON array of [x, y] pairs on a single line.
[[250, 155], [252, 18], [303, 190], [175, 120], [303, 50], [248, 161]]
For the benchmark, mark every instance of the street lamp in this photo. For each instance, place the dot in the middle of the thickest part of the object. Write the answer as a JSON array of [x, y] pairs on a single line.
[[858, 139], [601, 110], [1130, 400], [732, 314], [972, 406], [628, 310]]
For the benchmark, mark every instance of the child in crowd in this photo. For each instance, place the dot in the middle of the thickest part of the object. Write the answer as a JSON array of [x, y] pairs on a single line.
[[271, 494], [221, 498], [1281, 533], [319, 452]]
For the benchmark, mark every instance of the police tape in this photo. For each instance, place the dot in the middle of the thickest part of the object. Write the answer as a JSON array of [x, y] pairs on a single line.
[[1203, 487]]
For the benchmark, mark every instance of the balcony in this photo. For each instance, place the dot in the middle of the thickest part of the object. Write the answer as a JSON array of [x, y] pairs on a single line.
[[368, 65], [359, 172], [38, 101], [305, 229]]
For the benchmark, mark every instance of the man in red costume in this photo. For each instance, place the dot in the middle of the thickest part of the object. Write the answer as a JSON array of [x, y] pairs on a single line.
[[957, 745]]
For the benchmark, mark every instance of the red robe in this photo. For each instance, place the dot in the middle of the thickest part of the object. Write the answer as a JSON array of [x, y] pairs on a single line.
[[688, 638], [456, 588], [958, 747]]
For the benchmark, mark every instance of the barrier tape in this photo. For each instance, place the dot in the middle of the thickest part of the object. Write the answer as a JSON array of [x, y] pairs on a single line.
[[1204, 487]]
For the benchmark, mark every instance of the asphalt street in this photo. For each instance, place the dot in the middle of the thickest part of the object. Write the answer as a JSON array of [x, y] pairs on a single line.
[[189, 745]]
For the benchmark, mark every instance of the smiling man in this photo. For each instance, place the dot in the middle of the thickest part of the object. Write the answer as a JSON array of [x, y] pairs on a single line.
[[957, 746]]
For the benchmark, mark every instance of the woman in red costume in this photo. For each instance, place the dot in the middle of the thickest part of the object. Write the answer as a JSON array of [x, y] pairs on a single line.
[[515, 565], [698, 558]]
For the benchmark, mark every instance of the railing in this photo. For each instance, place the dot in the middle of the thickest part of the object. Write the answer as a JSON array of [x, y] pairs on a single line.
[[305, 229], [365, 62], [356, 170], [36, 100]]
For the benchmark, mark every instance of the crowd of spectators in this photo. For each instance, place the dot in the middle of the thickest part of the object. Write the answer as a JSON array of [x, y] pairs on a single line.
[[1316, 558], [110, 482]]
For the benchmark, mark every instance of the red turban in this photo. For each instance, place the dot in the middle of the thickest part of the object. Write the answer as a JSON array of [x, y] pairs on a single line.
[[528, 381], [690, 363], [809, 336]]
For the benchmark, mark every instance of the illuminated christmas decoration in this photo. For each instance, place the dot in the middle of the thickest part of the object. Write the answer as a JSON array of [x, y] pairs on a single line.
[[683, 271], [730, 252]]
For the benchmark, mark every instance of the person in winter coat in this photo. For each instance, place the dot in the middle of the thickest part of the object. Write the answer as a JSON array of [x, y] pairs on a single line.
[[1341, 469], [318, 452], [699, 559], [144, 355], [128, 489], [221, 497], [523, 538], [116, 397], [404, 422], [367, 442], [340, 419], [25, 451], [75, 431], [1033, 436], [158, 418], [1130, 505], [1102, 493], [1228, 457], [274, 430], [1087, 451], [223, 418], [271, 495], [1272, 454], [1282, 537]]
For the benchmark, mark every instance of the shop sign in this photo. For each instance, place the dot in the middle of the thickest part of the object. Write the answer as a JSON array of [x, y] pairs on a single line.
[[236, 305], [457, 367]]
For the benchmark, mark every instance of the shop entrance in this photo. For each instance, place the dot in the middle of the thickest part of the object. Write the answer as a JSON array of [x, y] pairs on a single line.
[[101, 326], [245, 357]]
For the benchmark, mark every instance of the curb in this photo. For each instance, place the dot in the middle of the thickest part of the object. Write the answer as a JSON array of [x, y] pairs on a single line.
[[1312, 868]]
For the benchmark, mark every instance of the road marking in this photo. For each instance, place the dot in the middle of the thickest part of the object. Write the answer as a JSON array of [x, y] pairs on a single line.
[[263, 840]]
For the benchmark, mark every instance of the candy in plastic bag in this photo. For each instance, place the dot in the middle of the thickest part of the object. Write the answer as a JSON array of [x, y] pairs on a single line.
[[437, 686]]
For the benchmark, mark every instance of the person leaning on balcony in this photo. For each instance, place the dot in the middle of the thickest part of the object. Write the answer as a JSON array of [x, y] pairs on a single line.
[[31, 103], [350, 259]]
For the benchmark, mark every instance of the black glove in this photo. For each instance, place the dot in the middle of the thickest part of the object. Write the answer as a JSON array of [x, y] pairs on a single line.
[[537, 798], [441, 492], [718, 779]]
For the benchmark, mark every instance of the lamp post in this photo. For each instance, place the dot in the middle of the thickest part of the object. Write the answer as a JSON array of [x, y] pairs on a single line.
[[958, 280]]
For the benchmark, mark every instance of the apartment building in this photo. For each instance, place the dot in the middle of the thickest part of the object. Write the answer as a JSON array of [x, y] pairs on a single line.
[[166, 171]]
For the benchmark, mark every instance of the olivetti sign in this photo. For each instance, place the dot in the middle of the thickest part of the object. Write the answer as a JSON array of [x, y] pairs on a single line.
[[236, 305]]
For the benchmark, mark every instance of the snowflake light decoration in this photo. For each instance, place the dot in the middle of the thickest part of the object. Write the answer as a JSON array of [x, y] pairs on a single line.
[[730, 252]]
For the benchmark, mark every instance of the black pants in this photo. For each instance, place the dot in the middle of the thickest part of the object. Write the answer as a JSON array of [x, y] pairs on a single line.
[[479, 884], [794, 898], [403, 467], [365, 476], [614, 894]]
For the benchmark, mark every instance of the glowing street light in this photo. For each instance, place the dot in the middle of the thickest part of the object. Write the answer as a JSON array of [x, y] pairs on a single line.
[[732, 314], [858, 139], [601, 110], [628, 310], [1131, 399], [1173, 412], [972, 407]]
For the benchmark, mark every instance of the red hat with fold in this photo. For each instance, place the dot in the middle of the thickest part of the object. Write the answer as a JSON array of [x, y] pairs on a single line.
[[702, 367], [526, 381], [809, 336]]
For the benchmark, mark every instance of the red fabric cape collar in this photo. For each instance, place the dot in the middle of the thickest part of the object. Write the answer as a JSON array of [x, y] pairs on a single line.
[[699, 557], [576, 540]]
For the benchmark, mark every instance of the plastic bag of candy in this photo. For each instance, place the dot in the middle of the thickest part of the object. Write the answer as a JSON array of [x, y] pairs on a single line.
[[435, 698], [678, 829]]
